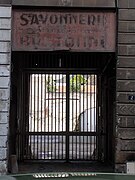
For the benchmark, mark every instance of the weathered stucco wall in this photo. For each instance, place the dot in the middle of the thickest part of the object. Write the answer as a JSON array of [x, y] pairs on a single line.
[[5, 49], [70, 3], [125, 132]]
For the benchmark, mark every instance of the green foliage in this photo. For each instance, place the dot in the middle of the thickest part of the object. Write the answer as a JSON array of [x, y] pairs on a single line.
[[51, 87], [76, 81]]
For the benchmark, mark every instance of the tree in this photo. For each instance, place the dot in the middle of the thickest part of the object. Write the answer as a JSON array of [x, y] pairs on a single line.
[[51, 86], [76, 81]]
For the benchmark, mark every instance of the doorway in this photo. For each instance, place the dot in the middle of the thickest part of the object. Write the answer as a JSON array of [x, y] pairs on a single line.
[[62, 112]]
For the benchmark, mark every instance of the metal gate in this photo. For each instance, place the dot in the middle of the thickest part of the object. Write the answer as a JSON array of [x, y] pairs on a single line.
[[61, 106], [60, 116]]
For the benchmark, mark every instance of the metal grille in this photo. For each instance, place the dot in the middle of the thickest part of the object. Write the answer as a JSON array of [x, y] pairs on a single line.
[[61, 121]]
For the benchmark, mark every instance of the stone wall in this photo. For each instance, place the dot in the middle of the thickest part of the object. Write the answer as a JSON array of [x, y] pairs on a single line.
[[125, 129], [5, 53]]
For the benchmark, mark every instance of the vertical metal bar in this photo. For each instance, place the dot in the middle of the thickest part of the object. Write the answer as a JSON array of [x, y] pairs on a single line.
[[23, 125], [76, 107], [95, 107], [76, 113], [67, 116], [48, 96], [59, 118], [80, 123], [38, 104], [34, 102], [99, 101], [87, 99], [72, 103], [48, 103], [54, 109], [45, 115], [55, 98], [41, 82], [22, 114], [19, 119], [48, 75], [59, 105], [71, 114], [79, 149], [35, 114], [41, 98], [26, 115], [84, 112], [55, 113], [62, 112], [36, 142], [52, 86], [91, 89], [30, 128], [52, 89], [83, 105]]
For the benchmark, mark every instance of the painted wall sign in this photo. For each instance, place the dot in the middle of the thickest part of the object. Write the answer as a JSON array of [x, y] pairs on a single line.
[[77, 31]]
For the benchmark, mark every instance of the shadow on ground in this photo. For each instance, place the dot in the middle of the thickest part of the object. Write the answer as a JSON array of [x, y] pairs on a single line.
[[64, 167]]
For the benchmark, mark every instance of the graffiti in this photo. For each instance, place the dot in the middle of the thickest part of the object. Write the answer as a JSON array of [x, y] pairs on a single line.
[[73, 31]]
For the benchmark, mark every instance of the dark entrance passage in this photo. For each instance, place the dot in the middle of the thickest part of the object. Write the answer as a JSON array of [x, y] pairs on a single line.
[[63, 106]]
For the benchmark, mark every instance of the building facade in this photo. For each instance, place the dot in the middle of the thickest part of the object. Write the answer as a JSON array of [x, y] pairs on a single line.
[[121, 126]]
